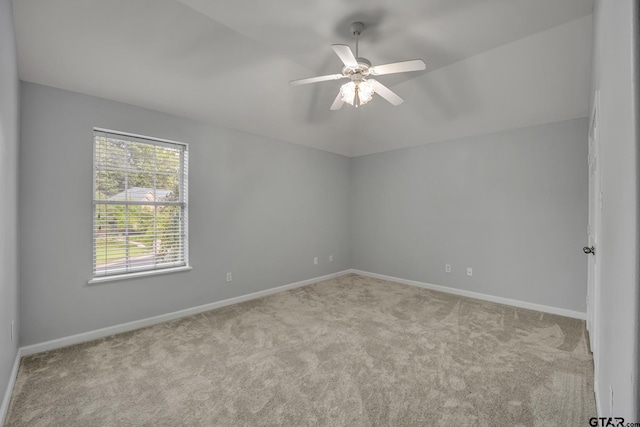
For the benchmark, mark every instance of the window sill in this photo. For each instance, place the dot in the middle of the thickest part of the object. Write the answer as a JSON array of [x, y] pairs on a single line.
[[127, 276]]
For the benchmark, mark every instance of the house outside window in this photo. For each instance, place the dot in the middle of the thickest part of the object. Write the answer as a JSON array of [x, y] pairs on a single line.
[[140, 215]]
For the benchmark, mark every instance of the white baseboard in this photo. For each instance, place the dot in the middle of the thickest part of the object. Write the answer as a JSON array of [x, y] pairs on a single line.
[[137, 324], [477, 295], [7, 394]]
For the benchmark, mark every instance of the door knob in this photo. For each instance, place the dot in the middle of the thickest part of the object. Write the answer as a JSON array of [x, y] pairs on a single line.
[[589, 250]]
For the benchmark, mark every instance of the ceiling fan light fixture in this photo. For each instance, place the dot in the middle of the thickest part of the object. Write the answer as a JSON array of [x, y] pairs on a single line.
[[359, 90], [357, 93]]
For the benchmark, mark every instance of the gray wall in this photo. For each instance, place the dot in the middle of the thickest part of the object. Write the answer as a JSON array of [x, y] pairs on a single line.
[[615, 58], [512, 205], [9, 87], [259, 208]]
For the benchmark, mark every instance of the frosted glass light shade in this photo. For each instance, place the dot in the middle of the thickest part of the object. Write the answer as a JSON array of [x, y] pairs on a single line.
[[357, 93]]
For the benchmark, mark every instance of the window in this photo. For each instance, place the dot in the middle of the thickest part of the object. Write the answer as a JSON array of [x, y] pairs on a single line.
[[139, 204]]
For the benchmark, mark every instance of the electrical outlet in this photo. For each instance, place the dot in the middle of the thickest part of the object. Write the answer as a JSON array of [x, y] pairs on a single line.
[[469, 271], [13, 323], [447, 268], [315, 260], [229, 278], [330, 258]]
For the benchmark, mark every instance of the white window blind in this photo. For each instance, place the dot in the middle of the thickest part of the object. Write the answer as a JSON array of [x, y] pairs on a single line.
[[139, 203]]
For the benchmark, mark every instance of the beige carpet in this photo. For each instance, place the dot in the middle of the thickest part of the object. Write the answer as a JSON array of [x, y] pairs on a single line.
[[352, 351]]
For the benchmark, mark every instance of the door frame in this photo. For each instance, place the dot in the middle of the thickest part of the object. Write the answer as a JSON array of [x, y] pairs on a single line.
[[594, 231]]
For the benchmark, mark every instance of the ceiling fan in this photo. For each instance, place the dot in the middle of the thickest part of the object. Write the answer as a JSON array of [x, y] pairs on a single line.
[[360, 88]]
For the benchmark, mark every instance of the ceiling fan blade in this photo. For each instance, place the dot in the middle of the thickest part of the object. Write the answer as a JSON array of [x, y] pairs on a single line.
[[316, 79], [345, 54], [338, 102], [398, 67], [386, 93]]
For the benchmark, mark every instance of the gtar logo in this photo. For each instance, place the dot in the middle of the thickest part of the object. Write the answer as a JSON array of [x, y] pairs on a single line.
[[606, 422]]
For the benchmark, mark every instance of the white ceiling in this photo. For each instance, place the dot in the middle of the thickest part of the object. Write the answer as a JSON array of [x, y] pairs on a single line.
[[491, 64]]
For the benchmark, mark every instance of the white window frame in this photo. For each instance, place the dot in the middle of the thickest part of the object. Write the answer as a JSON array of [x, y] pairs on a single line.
[[183, 203]]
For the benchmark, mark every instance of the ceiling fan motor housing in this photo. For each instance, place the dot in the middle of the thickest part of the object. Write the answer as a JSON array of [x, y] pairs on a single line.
[[357, 73]]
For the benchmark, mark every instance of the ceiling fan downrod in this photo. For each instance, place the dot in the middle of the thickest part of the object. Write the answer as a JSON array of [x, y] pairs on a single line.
[[356, 30]]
